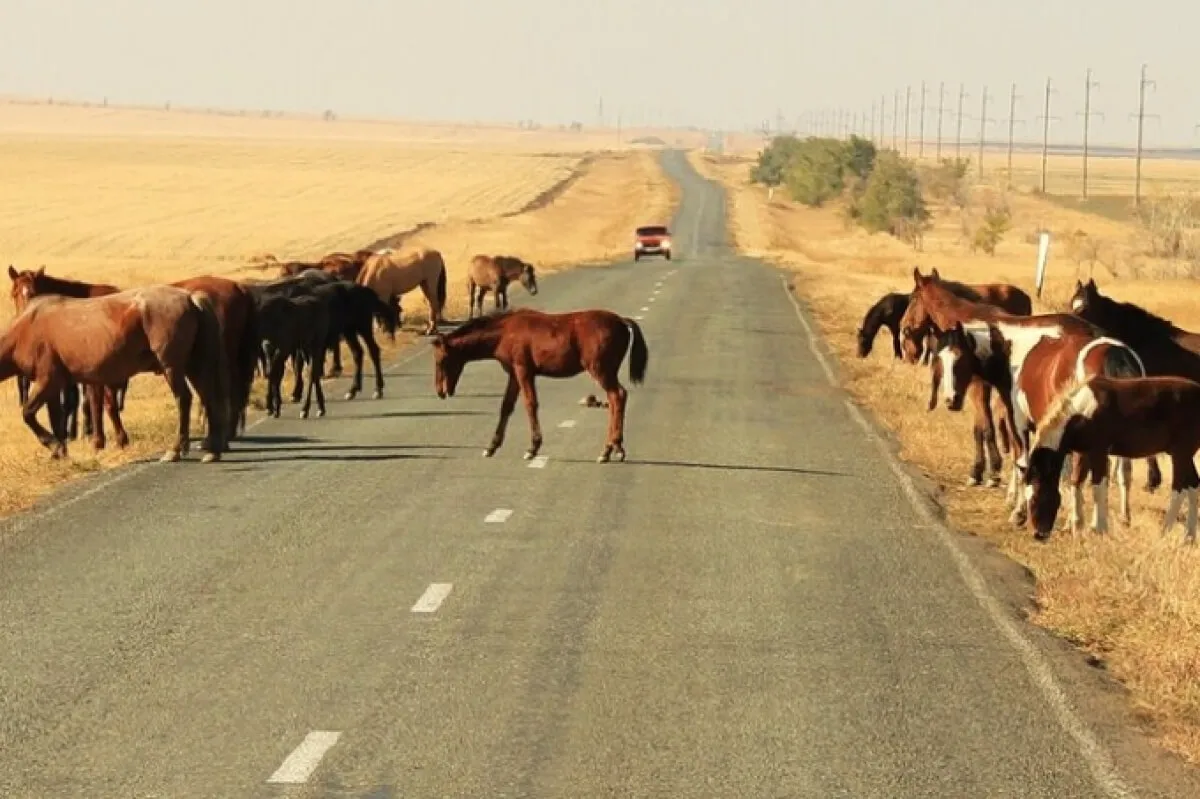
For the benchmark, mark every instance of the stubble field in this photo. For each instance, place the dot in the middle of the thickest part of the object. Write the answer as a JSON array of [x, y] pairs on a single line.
[[132, 197], [1128, 599]]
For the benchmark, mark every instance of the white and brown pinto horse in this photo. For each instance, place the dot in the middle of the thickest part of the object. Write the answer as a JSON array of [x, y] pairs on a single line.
[[1129, 418], [1031, 362], [931, 310]]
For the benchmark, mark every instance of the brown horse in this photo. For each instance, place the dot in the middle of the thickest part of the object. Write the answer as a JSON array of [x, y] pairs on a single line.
[[391, 276], [919, 332], [234, 308], [1130, 418], [494, 273], [27, 284], [530, 343], [1029, 366], [340, 264], [107, 340]]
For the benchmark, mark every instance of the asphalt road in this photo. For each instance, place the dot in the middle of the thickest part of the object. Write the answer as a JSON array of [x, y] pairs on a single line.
[[751, 606]]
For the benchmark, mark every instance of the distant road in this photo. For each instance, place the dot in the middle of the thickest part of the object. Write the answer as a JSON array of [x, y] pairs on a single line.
[[363, 606]]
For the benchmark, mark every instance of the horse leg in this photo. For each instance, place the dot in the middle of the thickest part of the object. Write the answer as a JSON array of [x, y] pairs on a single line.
[[298, 370], [316, 368], [41, 393], [896, 350], [501, 297], [94, 399], [114, 415], [23, 384], [1183, 478], [1153, 474], [471, 299], [506, 408], [1075, 484], [373, 351], [616, 418], [177, 381], [275, 383], [357, 353], [1124, 480], [1099, 467], [429, 289]]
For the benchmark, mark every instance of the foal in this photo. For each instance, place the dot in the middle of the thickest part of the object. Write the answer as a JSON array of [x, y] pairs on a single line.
[[529, 343], [494, 273], [1129, 418]]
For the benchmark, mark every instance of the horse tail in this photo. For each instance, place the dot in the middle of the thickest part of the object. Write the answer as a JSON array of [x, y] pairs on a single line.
[[1022, 305], [209, 365], [387, 315], [248, 353], [639, 354], [1121, 361], [441, 283]]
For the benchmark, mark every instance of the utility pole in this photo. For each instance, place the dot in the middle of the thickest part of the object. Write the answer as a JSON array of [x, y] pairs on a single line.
[[1087, 118], [895, 118], [983, 120], [1012, 121], [907, 100], [962, 93], [1141, 116], [941, 107], [921, 134], [1045, 133], [882, 120]]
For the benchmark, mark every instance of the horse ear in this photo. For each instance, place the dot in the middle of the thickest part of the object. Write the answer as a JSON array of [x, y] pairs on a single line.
[[935, 275], [918, 278], [41, 272], [12, 273], [1091, 284]]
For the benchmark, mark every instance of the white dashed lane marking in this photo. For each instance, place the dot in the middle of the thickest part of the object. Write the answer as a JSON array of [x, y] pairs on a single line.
[[567, 423], [539, 462], [644, 309], [638, 318], [498, 516], [305, 758], [652, 299], [433, 598]]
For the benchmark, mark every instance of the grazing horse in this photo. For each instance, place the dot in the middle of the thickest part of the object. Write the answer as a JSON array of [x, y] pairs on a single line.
[[529, 343], [28, 284], [1030, 364], [1130, 418], [345, 266], [290, 326], [391, 276], [105, 341], [1165, 349], [494, 273], [886, 312], [924, 318]]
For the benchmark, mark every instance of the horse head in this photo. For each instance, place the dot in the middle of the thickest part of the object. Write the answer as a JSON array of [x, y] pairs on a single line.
[[529, 279], [956, 361], [915, 325], [447, 367], [1084, 297], [26, 285]]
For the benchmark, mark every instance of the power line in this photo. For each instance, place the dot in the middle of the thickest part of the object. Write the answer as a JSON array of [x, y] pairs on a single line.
[[1141, 116], [962, 94], [1012, 122], [983, 120], [1045, 117], [921, 139], [895, 116], [907, 102], [1087, 113]]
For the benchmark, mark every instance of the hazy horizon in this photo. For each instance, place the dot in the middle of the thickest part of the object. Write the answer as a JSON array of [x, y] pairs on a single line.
[[705, 63]]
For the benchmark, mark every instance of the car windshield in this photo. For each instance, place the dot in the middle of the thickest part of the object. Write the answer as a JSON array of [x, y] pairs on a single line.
[[653, 230]]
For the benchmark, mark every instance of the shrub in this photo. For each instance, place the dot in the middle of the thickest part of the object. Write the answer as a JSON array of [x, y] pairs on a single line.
[[997, 219], [815, 170], [892, 194], [946, 182]]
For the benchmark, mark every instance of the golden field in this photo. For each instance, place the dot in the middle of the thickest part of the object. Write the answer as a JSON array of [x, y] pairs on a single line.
[[131, 197], [1131, 598]]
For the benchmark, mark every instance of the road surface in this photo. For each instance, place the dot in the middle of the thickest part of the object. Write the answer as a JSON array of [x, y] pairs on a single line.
[[364, 606]]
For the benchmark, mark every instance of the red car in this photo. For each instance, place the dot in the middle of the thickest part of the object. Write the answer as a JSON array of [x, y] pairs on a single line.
[[652, 240]]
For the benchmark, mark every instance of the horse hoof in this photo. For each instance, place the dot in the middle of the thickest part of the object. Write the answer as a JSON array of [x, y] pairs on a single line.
[[320, 413], [621, 455], [529, 455], [303, 414], [170, 457], [972, 482], [603, 458], [487, 453], [349, 396], [377, 395], [210, 457], [994, 482]]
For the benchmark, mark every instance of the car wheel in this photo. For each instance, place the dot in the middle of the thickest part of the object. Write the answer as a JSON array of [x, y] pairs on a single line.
[[668, 256]]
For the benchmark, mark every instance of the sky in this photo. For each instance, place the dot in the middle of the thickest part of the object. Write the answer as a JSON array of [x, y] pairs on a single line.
[[715, 64]]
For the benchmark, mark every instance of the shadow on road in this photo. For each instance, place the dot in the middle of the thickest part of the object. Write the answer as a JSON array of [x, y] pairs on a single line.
[[346, 455], [328, 447], [721, 467]]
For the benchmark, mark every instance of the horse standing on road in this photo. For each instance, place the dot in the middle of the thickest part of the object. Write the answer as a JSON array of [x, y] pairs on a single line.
[[530, 343], [391, 276], [494, 273], [105, 341]]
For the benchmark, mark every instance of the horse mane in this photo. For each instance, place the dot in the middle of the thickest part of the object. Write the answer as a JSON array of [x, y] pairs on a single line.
[[479, 324], [58, 284], [1058, 413], [1143, 323]]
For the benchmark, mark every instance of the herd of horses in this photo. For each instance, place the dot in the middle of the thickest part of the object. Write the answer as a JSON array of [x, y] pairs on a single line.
[[1064, 392], [75, 345]]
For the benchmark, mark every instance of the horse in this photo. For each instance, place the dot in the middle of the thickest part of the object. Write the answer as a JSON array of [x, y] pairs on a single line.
[[1166, 350], [1029, 365], [235, 312], [297, 285], [886, 312], [529, 343], [494, 273], [345, 266], [391, 276], [27, 284], [353, 311], [288, 326], [105, 341], [1130, 418], [919, 324]]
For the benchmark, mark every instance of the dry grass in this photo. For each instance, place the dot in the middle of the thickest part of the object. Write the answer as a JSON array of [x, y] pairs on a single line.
[[136, 204], [1129, 598]]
